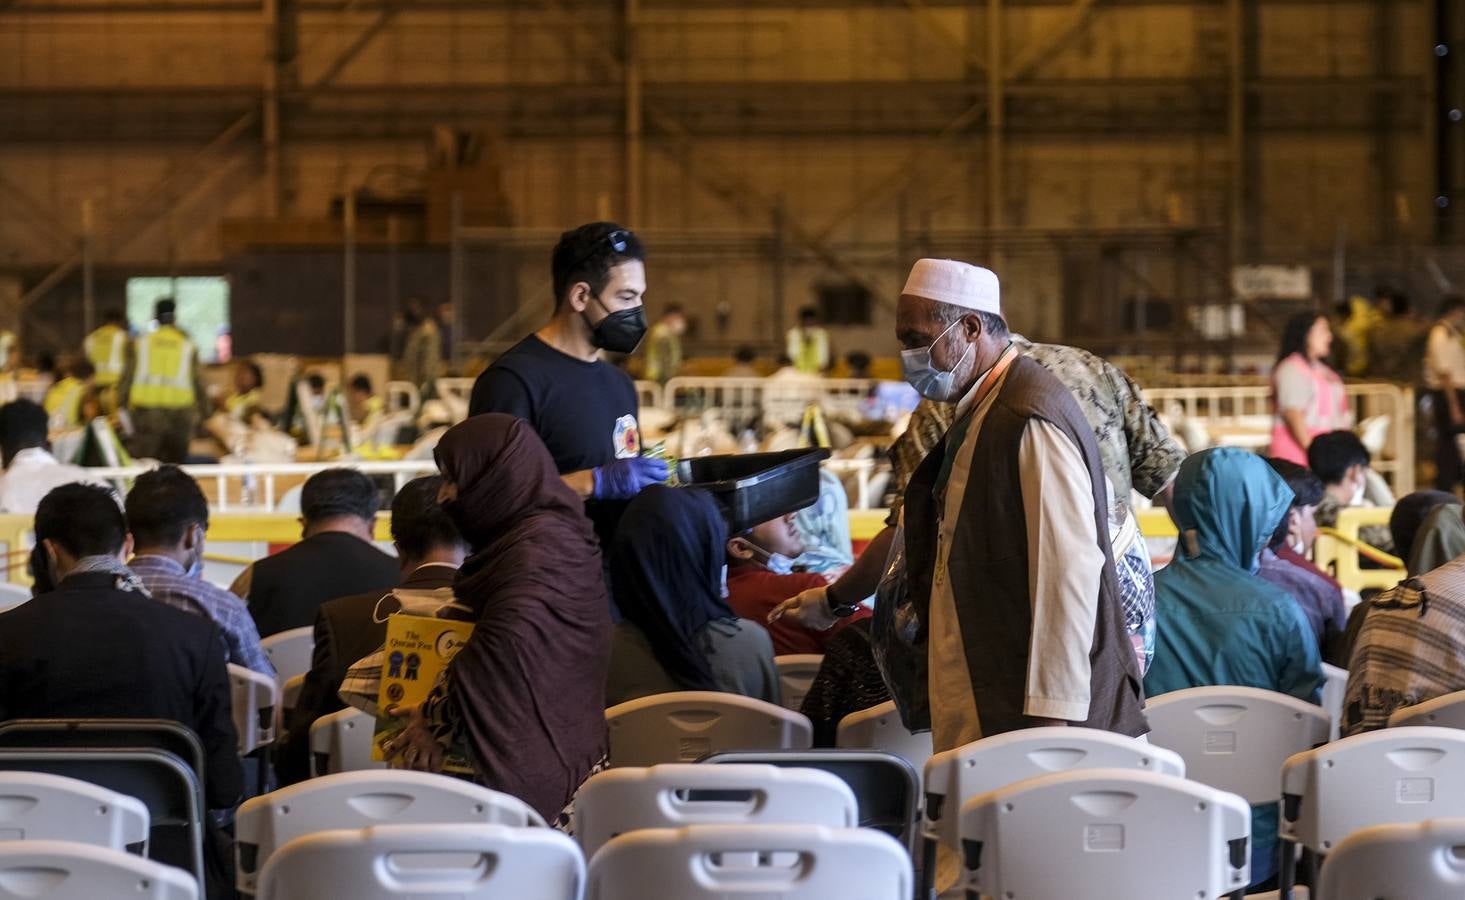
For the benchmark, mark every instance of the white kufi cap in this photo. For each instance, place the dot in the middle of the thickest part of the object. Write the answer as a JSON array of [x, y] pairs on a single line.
[[957, 283]]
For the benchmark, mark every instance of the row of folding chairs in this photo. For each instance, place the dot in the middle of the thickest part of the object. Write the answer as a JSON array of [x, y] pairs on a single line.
[[743, 827]]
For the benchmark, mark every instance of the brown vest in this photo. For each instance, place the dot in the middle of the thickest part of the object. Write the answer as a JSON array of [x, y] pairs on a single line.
[[988, 564]]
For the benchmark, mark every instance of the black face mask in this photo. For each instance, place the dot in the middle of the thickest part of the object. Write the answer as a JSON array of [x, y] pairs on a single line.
[[620, 331]]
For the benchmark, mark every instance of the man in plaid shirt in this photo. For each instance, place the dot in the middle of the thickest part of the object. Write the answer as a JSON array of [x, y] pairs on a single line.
[[168, 515]]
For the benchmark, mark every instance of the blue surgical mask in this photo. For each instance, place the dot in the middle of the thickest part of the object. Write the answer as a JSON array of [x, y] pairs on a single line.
[[779, 564], [776, 563], [929, 381], [724, 581]]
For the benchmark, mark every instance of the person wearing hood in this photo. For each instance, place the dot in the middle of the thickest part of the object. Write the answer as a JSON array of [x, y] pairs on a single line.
[[668, 569], [1218, 622], [583, 408], [1410, 644], [525, 693]]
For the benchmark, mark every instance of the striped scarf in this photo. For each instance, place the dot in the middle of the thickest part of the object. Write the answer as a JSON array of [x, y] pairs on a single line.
[[1410, 649]]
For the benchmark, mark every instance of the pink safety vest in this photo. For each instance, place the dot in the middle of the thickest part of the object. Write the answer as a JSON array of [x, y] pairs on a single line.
[[1328, 412]]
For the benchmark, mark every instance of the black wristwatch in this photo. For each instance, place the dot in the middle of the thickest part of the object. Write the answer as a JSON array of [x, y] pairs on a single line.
[[837, 609]]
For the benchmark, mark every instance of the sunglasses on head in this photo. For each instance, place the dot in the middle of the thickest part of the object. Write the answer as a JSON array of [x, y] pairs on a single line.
[[619, 240]]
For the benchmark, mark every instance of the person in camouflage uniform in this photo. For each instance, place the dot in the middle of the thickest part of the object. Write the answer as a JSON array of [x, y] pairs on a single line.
[[1135, 447]]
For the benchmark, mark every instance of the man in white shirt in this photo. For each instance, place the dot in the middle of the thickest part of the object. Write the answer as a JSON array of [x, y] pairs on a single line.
[[30, 469], [1007, 529], [1444, 378]]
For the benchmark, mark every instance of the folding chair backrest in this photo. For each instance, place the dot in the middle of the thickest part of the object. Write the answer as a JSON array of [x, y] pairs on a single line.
[[165, 785], [1120, 832], [156, 734], [1236, 738], [341, 742], [290, 652], [1447, 711], [955, 776], [880, 728], [13, 595], [796, 672], [886, 787], [618, 801], [354, 800], [1335, 687], [1392, 776], [407, 862], [62, 870], [254, 697], [688, 725], [726, 862], [38, 806], [1422, 861]]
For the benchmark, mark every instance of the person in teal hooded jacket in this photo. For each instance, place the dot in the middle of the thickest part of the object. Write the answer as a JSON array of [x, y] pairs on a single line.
[[1217, 622]]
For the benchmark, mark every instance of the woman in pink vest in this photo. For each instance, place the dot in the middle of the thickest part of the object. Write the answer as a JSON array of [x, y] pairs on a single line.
[[1307, 395]]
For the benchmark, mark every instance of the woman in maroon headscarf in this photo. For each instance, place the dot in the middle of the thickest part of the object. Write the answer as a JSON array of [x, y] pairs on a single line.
[[526, 693]]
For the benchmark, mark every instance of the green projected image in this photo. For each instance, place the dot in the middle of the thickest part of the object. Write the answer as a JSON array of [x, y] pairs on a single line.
[[203, 308]]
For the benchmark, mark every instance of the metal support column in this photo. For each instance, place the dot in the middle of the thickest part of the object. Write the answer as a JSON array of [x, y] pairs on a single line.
[[1388, 213], [995, 123], [88, 261], [348, 278], [1236, 128], [631, 76], [456, 292], [780, 257]]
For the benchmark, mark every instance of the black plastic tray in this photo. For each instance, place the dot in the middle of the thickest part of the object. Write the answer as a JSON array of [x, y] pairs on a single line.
[[753, 488]]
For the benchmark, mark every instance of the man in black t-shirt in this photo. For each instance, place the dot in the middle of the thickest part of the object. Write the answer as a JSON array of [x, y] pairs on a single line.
[[583, 408]]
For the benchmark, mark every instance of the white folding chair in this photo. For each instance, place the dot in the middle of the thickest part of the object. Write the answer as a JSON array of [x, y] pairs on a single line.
[[726, 862], [618, 801], [796, 672], [359, 800], [1394, 776], [64, 870], [37, 806], [13, 595], [403, 395], [1118, 832], [1335, 688], [341, 742], [254, 697], [1447, 711], [290, 652], [407, 862], [687, 725], [955, 776], [880, 728], [1423, 861], [1236, 738]]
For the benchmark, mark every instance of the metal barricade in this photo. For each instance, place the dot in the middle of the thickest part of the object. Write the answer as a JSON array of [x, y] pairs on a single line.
[[1241, 415]]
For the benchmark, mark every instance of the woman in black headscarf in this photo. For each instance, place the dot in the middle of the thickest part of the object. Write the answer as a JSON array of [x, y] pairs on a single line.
[[668, 569], [525, 693]]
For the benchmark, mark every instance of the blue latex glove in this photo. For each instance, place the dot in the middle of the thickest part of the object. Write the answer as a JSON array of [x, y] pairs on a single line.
[[625, 478]]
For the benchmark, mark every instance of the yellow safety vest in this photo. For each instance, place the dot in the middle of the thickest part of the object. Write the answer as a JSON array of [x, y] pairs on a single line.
[[163, 370], [105, 349], [240, 404], [63, 402]]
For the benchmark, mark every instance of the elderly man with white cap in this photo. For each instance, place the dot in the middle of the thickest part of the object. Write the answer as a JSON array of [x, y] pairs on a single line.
[[1007, 539]]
